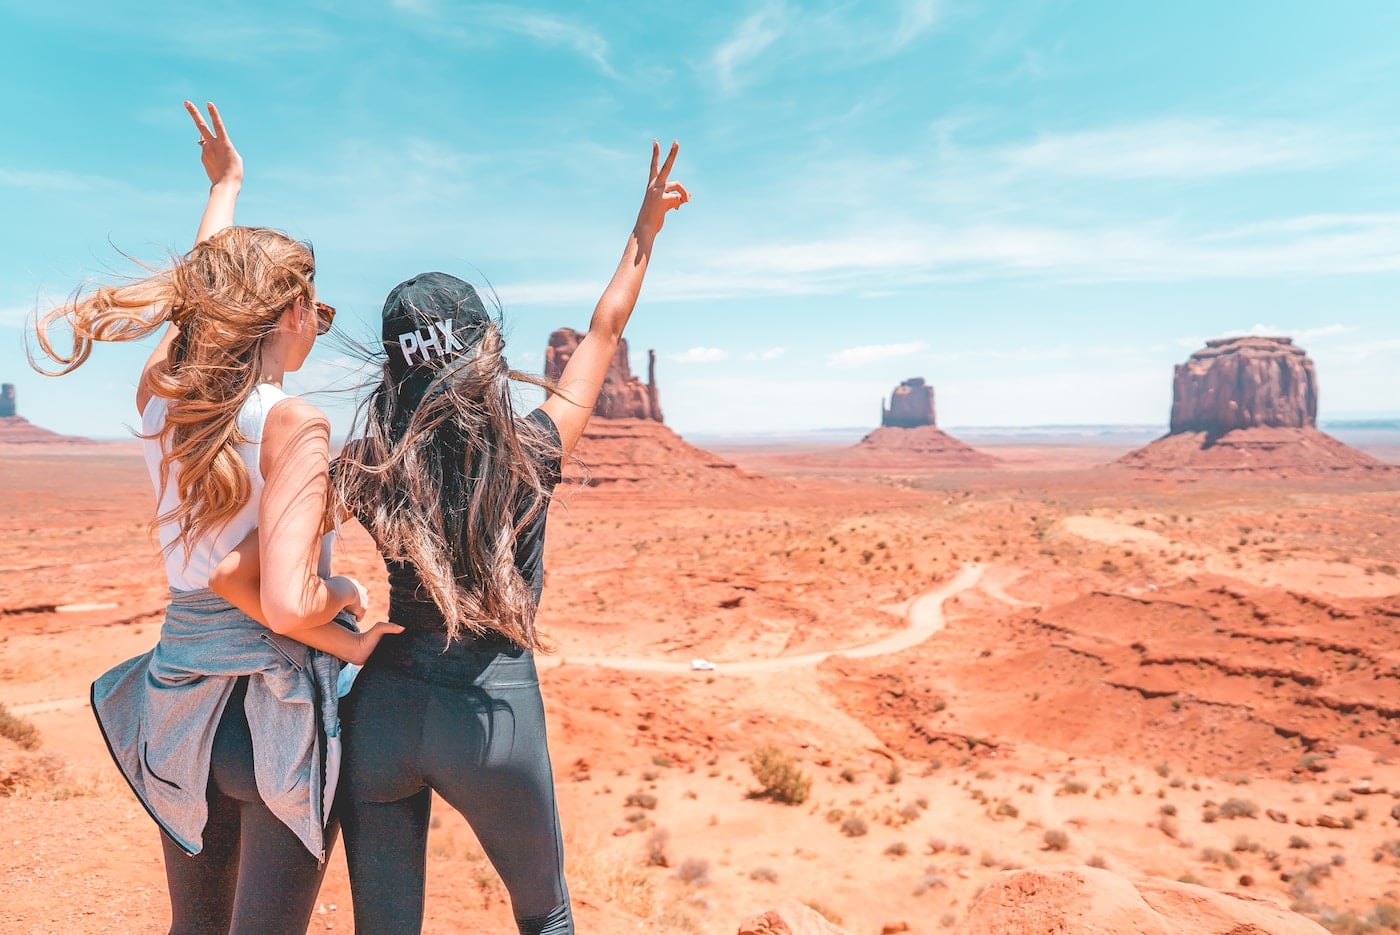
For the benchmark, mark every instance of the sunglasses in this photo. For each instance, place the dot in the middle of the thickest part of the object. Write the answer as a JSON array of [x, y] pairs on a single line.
[[325, 314]]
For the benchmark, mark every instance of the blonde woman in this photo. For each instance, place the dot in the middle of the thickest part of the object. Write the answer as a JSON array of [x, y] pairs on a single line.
[[227, 729]]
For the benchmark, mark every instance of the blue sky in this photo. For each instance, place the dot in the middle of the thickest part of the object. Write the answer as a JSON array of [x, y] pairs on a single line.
[[1040, 207]]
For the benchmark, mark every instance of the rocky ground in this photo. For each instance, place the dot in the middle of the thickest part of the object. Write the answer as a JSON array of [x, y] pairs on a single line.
[[1193, 678]]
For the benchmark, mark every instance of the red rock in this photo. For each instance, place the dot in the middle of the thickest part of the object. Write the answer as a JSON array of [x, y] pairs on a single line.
[[911, 405], [1088, 901], [1244, 383], [790, 918], [7, 400], [19, 430], [924, 446], [623, 396], [1248, 406], [625, 452]]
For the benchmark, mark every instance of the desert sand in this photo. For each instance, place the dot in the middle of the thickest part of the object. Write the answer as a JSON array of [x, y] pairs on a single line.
[[1048, 663]]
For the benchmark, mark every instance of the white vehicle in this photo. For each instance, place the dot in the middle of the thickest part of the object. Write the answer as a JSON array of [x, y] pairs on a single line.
[[702, 665]]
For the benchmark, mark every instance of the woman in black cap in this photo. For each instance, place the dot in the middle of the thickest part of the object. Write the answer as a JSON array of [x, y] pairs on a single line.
[[455, 489]]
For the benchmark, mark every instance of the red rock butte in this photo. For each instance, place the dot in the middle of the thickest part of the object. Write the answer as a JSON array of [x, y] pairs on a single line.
[[1248, 405], [909, 438], [627, 442]]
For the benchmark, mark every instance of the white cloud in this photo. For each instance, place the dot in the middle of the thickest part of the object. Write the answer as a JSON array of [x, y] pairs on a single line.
[[1297, 334], [545, 28], [754, 35], [699, 355], [773, 353], [826, 39], [1179, 148], [873, 353], [916, 18]]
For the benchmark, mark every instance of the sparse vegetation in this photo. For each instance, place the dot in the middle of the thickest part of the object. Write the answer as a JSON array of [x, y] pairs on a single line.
[[778, 775], [656, 848], [18, 729], [1239, 808], [694, 871], [640, 800], [1056, 840], [854, 827]]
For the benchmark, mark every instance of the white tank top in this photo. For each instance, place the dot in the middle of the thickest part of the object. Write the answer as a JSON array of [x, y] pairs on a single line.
[[192, 573]]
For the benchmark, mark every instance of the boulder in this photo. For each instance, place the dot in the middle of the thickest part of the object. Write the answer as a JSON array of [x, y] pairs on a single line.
[[1089, 901], [623, 396], [911, 405]]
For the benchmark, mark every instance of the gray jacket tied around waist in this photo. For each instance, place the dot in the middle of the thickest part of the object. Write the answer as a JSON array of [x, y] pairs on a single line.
[[159, 711]]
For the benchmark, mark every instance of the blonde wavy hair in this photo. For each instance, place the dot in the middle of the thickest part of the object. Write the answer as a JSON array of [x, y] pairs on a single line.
[[225, 298]]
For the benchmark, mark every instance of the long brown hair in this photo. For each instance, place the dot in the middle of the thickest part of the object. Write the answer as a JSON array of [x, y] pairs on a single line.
[[225, 297], [445, 478]]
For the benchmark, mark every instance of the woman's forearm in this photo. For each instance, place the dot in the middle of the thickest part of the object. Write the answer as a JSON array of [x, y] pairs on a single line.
[[614, 308], [219, 209]]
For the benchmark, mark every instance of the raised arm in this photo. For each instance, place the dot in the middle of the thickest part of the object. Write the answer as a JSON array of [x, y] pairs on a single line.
[[224, 167], [582, 379]]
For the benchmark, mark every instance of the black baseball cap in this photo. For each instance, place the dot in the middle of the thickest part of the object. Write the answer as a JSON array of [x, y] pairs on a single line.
[[429, 320]]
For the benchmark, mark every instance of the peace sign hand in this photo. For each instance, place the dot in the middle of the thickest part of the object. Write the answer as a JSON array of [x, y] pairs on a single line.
[[662, 194], [221, 161]]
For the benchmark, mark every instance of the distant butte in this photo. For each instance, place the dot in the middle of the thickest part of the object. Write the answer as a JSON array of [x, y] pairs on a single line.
[[626, 442], [1248, 405], [911, 405], [908, 436], [15, 429]]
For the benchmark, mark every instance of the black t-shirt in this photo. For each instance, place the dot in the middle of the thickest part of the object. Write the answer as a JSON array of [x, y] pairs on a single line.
[[410, 604]]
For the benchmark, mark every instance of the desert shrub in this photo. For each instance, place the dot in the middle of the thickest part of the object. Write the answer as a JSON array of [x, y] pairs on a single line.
[[656, 848], [1244, 844], [640, 800], [909, 811], [1167, 809], [18, 729], [1215, 855], [894, 775], [854, 827], [777, 773], [1298, 842], [930, 880], [764, 875], [1056, 840], [1169, 826], [1072, 787], [1239, 808], [1098, 862], [1007, 810], [897, 849], [695, 871]]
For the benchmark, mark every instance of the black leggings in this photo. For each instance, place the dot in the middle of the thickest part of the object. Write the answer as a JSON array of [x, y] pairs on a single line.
[[254, 876], [468, 723]]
